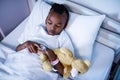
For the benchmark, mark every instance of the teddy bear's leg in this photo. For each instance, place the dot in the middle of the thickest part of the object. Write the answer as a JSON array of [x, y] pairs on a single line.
[[67, 70], [46, 65], [74, 72], [80, 65]]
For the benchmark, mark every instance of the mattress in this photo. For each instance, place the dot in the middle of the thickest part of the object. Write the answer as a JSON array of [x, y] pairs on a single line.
[[101, 60], [102, 56]]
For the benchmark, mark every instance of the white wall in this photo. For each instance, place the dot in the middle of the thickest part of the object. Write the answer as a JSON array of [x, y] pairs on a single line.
[[111, 7], [12, 13]]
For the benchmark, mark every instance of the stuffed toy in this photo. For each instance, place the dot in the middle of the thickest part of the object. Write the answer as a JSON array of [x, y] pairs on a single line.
[[67, 59]]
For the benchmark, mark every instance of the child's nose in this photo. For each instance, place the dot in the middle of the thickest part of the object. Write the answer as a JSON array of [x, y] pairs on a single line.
[[53, 27]]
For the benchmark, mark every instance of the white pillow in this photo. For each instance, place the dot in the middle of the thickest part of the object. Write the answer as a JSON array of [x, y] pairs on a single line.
[[37, 17], [83, 31]]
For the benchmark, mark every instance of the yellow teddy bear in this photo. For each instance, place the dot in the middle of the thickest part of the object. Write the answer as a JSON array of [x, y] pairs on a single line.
[[69, 62]]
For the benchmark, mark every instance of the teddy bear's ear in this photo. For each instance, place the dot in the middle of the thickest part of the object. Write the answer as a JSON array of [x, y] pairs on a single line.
[[87, 62]]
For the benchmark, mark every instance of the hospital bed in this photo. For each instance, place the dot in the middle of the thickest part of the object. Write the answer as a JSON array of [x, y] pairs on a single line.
[[106, 43]]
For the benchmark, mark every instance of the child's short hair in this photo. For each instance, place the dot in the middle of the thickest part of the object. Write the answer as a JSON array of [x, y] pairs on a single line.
[[60, 9]]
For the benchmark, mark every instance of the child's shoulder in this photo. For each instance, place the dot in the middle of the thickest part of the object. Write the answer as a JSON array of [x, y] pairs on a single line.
[[63, 34]]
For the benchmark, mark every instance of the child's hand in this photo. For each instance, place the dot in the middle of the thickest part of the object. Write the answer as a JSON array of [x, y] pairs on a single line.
[[32, 46], [40, 48]]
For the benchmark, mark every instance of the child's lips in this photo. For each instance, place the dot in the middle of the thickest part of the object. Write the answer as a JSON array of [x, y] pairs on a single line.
[[51, 32]]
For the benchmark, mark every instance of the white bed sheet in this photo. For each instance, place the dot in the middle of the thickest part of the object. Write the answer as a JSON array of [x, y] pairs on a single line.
[[101, 61], [22, 65]]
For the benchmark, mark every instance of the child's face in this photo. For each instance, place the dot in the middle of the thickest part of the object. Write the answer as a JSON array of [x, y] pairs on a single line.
[[55, 22]]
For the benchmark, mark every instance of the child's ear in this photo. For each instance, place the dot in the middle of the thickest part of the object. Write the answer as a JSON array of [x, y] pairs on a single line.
[[46, 20], [65, 24]]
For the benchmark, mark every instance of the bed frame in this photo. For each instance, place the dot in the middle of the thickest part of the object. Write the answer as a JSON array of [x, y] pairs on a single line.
[[108, 36]]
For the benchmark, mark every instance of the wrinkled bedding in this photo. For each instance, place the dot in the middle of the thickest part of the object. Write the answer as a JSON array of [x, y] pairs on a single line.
[[22, 65]]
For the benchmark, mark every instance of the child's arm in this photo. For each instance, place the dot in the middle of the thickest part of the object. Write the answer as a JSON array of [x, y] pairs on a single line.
[[52, 57], [32, 46]]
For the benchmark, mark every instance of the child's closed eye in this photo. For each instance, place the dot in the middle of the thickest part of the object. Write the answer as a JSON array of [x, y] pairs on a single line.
[[49, 22]]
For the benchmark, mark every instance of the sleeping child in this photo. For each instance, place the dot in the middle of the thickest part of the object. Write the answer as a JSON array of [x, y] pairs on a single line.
[[52, 35]]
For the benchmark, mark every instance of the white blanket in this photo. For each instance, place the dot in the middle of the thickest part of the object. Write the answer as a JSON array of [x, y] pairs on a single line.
[[22, 65]]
